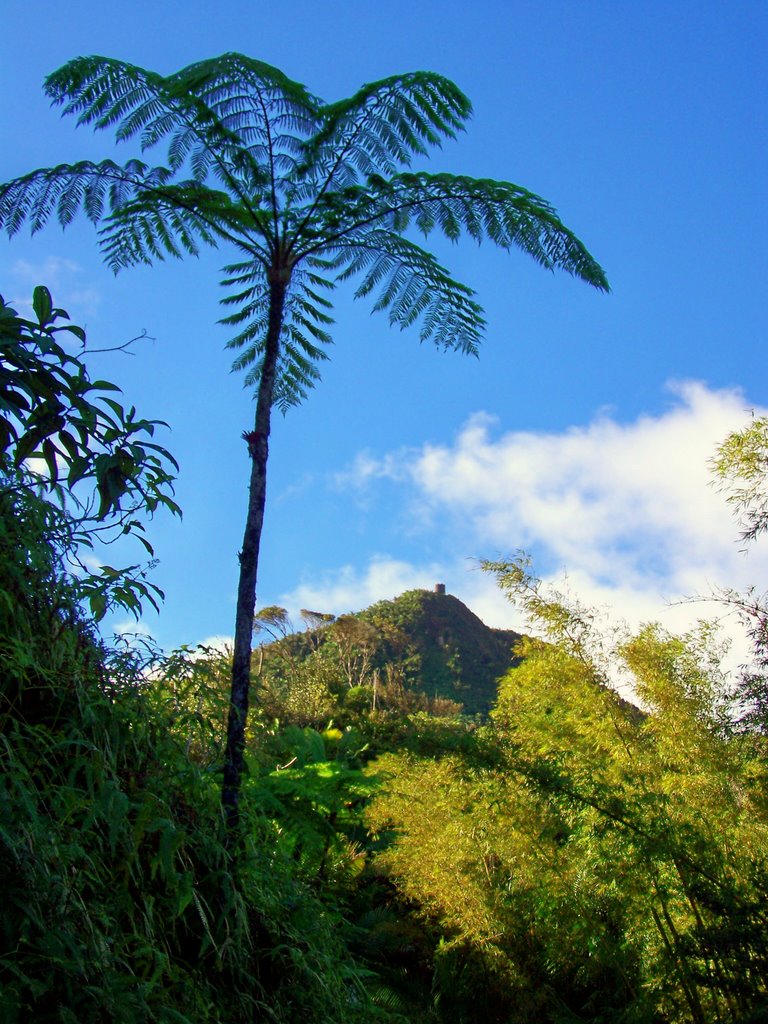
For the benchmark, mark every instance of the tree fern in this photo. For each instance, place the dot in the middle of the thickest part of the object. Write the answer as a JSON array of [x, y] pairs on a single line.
[[308, 195], [381, 127]]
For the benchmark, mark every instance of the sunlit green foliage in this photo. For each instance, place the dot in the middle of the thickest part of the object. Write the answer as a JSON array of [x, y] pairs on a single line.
[[741, 469], [603, 863], [420, 652]]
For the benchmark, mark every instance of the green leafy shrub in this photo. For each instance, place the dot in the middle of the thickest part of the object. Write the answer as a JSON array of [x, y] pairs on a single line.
[[122, 900]]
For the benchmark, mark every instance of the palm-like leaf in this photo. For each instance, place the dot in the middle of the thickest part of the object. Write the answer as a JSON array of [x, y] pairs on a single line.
[[68, 188], [380, 129], [289, 181], [235, 117], [268, 114], [506, 214], [169, 221], [413, 286], [304, 334]]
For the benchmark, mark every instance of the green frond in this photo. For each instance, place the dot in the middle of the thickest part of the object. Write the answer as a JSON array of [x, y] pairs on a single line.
[[412, 286], [252, 302], [506, 214], [253, 311], [68, 188], [246, 270], [267, 113], [93, 199], [160, 224], [381, 128], [303, 339], [105, 93], [234, 84], [238, 298]]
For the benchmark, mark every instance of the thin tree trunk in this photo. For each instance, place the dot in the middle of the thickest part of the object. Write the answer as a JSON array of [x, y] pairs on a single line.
[[678, 958], [258, 451]]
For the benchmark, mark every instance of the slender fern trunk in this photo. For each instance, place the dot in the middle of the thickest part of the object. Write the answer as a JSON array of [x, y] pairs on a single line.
[[258, 451]]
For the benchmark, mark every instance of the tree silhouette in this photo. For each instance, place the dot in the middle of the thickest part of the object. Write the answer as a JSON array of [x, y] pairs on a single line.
[[307, 194]]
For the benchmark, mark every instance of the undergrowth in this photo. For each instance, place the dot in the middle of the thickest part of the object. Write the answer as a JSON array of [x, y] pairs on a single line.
[[122, 901]]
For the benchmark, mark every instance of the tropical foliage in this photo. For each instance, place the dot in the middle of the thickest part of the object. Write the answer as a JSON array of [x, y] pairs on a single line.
[[67, 437], [307, 194], [574, 857], [606, 863], [421, 651], [119, 898]]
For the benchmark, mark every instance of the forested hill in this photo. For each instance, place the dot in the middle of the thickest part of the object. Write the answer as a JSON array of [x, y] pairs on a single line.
[[451, 652], [422, 650]]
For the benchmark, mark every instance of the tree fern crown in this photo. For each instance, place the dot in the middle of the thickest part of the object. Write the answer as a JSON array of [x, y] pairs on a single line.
[[307, 193]]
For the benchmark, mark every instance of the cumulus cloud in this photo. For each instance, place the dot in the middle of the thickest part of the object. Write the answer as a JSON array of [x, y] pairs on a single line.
[[131, 631], [220, 643], [628, 510], [350, 588], [63, 278], [367, 467]]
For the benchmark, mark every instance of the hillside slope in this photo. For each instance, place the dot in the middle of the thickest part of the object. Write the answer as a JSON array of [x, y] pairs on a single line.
[[451, 652], [425, 646]]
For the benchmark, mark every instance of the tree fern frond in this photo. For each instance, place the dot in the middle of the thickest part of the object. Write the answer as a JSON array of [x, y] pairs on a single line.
[[504, 213], [235, 84], [311, 327], [252, 300], [297, 371], [255, 310], [304, 337], [413, 286], [381, 128], [182, 140], [251, 340], [66, 189], [311, 307], [151, 118], [153, 227], [69, 203], [303, 352], [265, 111], [103, 92], [93, 198], [239, 298], [244, 270]]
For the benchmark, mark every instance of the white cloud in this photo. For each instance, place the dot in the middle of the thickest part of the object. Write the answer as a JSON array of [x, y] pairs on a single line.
[[63, 278], [627, 509], [639, 491], [222, 644], [91, 562], [349, 589], [367, 467], [131, 631]]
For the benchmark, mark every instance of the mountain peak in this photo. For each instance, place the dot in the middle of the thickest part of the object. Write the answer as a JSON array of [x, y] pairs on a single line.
[[453, 654]]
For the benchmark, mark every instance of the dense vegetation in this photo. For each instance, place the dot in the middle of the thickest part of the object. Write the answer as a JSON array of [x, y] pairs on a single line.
[[568, 858], [305, 195], [121, 899], [421, 651]]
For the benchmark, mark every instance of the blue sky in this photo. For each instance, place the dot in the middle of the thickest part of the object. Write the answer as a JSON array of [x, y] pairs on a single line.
[[583, 431]]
